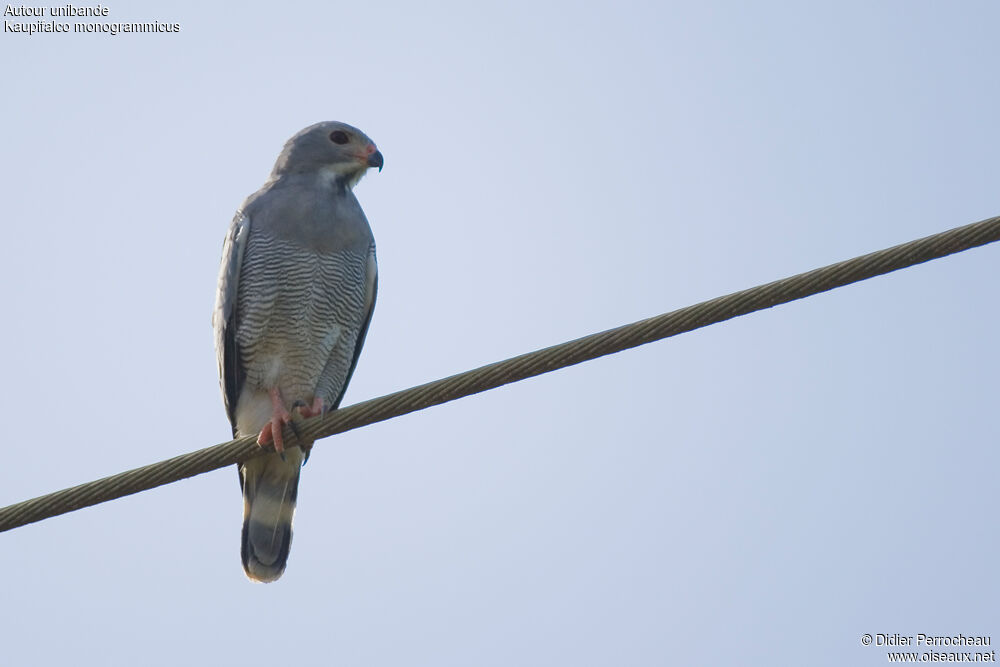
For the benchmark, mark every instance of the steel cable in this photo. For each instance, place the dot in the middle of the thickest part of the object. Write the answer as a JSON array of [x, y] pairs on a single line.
[[511, 370]]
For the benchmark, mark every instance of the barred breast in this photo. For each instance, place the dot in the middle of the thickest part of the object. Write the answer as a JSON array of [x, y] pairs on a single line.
[[299, 314]]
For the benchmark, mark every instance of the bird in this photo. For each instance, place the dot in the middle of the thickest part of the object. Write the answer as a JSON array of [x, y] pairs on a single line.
[[295, 296]]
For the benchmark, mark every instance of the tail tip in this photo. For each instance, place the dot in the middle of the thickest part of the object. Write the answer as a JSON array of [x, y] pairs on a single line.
[[265, 556], [261, 573]]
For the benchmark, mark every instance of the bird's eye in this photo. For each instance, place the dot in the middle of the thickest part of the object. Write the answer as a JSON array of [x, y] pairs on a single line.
[[338, 137]]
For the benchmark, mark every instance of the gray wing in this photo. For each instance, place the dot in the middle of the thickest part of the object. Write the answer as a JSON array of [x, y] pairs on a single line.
[[231, 371], [356, 290], [370, 294]]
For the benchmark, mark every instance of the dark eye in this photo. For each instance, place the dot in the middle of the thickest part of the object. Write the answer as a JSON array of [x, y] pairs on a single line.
[[338, 137]]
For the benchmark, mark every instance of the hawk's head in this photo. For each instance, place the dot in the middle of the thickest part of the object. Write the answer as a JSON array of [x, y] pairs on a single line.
[[343, 152]]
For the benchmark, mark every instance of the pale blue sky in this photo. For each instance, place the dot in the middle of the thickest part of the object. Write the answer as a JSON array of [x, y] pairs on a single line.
[[761, 492]]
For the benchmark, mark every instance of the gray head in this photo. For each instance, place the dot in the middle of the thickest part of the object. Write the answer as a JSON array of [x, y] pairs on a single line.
[[337, 150]]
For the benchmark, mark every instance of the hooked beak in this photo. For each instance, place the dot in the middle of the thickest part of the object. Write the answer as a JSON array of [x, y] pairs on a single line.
[[375, 160]]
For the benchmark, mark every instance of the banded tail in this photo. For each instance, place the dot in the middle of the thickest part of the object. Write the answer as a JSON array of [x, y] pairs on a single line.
[[270, 487]]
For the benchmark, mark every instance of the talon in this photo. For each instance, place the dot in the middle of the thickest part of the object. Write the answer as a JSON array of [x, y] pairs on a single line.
[[265, 435], [315, 410], [279, 440], [279, 417]]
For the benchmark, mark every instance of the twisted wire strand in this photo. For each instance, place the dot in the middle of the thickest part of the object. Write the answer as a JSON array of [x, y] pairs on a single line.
[[514, 369]]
